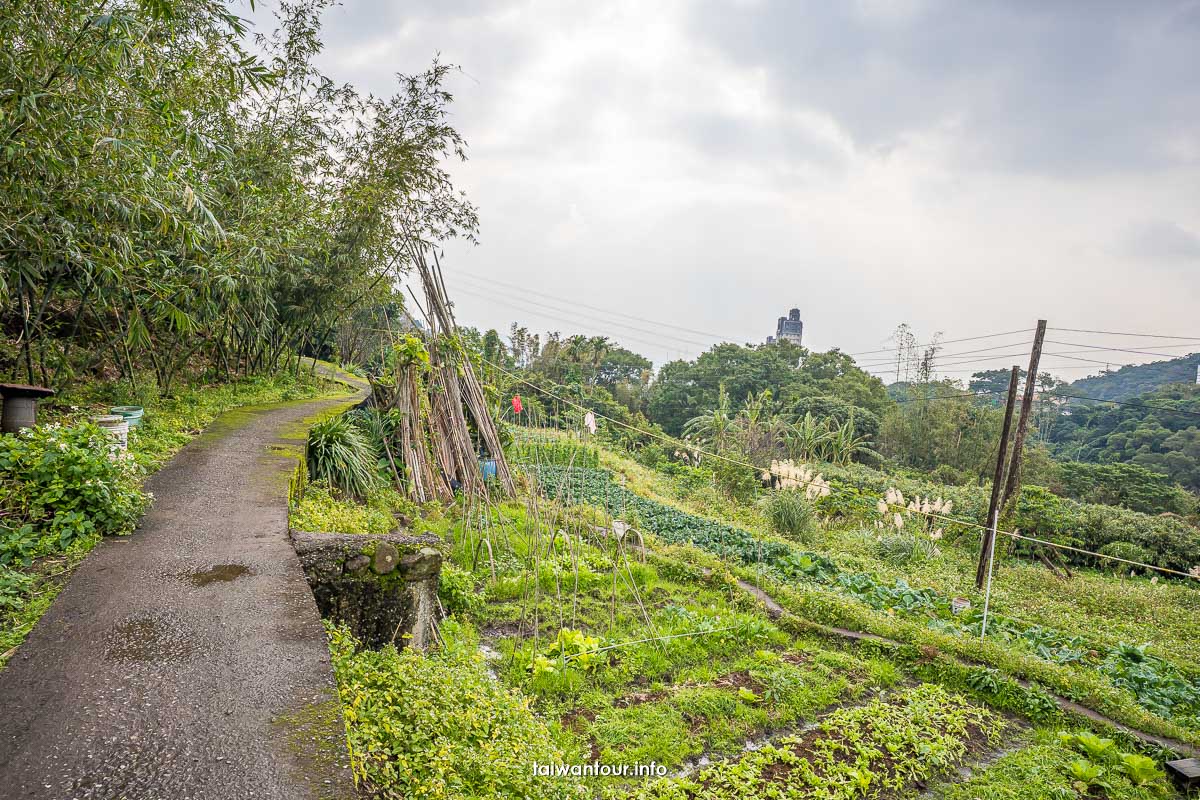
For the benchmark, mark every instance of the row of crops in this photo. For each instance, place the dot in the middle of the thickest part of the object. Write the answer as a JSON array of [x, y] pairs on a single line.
[[1158, 685]]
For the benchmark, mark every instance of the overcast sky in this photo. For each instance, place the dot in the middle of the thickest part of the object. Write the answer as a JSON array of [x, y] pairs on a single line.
[[965, 167]]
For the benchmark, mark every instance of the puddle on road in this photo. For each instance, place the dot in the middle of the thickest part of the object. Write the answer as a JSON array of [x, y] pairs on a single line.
[[221, 573]]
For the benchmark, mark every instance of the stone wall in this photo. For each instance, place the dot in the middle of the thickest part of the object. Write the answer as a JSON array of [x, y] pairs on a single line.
[[384, 588]]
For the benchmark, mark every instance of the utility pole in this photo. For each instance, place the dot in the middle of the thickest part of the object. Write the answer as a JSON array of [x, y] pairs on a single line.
[[1014, 466], [987, 546]]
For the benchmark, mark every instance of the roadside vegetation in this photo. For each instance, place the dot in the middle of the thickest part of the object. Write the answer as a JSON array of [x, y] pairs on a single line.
[[187, 219], [64, 487]]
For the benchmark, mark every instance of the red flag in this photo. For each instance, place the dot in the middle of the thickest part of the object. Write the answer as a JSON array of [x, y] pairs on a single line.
[[517, 403]]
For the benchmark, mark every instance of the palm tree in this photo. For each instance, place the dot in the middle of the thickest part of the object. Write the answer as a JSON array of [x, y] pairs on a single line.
[[845, 444], [715, 427], [758, 427], [806, 439]]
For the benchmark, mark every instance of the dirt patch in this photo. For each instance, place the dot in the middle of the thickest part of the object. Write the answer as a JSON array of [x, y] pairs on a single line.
[[739, 680], [577, 719], [221, 573], [638, 698], [504, 630]]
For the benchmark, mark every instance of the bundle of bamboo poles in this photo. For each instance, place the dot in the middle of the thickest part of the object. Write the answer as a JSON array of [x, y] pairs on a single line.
[[456, 375], [434, 392]]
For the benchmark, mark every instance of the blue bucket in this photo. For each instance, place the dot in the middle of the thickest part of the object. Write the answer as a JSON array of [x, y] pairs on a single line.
[[488, 467], [132, 414]]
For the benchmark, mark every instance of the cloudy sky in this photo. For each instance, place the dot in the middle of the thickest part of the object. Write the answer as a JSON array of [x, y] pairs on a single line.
[[962, 167]]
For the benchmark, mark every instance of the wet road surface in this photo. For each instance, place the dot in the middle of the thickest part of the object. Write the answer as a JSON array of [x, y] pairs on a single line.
[[187, 660]]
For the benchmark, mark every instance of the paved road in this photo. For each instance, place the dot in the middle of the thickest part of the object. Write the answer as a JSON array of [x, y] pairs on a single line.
[[187, 660]]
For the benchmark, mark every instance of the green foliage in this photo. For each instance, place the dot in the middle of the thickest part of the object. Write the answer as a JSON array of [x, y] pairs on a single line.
[[903, 548], [956, 430], [559, 453], [324, 510], [1134, 380], [672, 525], [1105, 762], [571, 648], [1157, 684], [62, 485], [172, 197], [438, 726], [1044, 771], [456, 589], [1158, 431], [685, 389], [1141, 770], [791, 514], [1128, 485], [341, 454], [1128, 551], [882, 747]]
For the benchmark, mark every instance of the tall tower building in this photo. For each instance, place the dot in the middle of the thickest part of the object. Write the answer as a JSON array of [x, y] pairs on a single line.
[[789, 329]]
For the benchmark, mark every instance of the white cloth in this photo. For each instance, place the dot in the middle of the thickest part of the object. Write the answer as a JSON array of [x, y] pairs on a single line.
[[589, 422]]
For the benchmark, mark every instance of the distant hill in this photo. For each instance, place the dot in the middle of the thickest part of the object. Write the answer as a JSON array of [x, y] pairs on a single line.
[[1133, 381]]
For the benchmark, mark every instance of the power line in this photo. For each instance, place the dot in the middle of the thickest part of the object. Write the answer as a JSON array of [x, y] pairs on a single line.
[[1123, 350], [948, 341], [524, 290], [519, 307], [1145, 406], [1118, 333]]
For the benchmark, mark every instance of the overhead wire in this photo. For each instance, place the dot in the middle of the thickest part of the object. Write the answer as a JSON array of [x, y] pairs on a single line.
[[523, 290], [947, 341], [514, 305], [1119, 333]]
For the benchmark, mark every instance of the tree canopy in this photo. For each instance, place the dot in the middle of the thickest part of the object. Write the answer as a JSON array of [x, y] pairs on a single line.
[[166, 195]]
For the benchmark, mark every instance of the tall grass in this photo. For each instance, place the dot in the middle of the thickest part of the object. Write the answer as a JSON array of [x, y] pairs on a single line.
[[342, 454], [791, 514]]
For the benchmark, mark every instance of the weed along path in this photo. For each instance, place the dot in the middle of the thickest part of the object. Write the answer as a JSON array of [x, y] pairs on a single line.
[[187, 660]]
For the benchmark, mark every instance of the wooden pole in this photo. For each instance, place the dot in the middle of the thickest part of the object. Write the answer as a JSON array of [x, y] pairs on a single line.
[[989, 534], [1014, 466]]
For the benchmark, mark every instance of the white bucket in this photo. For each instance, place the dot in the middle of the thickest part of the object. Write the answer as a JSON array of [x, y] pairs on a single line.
[[115, 426]]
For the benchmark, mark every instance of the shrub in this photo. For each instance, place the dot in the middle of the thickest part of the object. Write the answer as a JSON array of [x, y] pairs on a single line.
[[791, 514], [456, 588], [321, 511], [902, 548], [341, 454], [1126, 550], [737, 481], [456, 733], [62, 485]]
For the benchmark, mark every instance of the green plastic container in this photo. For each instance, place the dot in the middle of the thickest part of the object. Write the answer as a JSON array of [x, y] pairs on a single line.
[[132, 414]]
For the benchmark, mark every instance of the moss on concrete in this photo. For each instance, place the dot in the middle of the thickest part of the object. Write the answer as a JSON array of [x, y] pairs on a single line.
[[315, 736]]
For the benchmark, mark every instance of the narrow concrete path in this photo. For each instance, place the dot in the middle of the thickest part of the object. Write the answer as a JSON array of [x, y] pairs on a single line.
[[187, 660]]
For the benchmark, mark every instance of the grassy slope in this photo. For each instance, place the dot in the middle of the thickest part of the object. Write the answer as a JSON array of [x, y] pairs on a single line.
[[1105, 608]]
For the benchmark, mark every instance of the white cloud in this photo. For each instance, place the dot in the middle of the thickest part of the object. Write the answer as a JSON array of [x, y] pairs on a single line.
[[963, 167]]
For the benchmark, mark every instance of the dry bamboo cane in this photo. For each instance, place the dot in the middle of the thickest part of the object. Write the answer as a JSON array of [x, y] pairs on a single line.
[[438, 309]]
